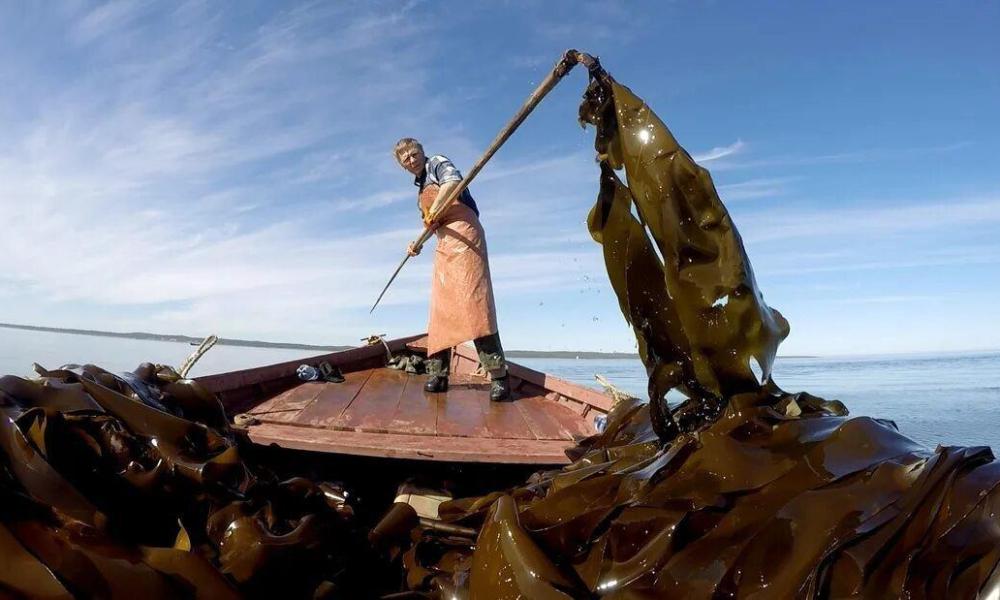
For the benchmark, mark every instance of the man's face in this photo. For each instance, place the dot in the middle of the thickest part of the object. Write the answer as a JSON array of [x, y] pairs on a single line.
[[412, 159]]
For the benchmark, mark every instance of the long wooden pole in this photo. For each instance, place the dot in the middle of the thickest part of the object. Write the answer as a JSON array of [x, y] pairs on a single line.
[[569, 59]]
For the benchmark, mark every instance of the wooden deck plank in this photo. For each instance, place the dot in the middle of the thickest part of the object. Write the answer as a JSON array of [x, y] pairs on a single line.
[[374, 406], [417, 410], [424, 447], [287, 405], [384, 413], [504, 420], [334, 399], [462, 412], [577, 393], [267, 405], [271, 404], [577, 426], [535, 411], [467, 379]]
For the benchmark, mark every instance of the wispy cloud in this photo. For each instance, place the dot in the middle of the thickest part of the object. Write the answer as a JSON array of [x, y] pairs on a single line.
[[865, 222], [213, 169], [754, 188], [893, 299], [720, 152], [373, 201], [106, 18], [846, 157], [860, 262], [144, 184]]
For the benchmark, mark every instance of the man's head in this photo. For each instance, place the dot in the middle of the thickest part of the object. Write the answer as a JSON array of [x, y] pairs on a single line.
[[410, 155]]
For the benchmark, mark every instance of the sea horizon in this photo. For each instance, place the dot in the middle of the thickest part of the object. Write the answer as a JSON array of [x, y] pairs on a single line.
[[515, 353], [935, 398]]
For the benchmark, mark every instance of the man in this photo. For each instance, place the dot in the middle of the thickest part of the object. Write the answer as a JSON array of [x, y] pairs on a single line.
[[462, 306]]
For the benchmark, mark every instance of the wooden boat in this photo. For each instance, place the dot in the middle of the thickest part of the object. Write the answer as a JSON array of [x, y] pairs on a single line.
[[383, 412]]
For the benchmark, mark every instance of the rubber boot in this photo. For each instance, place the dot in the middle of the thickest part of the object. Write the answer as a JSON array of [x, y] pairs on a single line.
[[500, 389], [436, 384]]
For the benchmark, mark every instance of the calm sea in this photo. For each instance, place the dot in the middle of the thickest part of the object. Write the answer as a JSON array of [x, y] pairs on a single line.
[[950, 399]]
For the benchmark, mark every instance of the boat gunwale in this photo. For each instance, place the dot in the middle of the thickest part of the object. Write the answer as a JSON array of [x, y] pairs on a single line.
[[219, 383], [232, 380]]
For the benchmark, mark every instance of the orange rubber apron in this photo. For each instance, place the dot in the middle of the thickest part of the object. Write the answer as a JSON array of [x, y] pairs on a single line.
[[462, 305]]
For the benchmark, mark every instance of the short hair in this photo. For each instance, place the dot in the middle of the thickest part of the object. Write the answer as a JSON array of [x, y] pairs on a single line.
[[405, 143]]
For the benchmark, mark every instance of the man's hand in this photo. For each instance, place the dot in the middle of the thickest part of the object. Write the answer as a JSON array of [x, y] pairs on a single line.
[[413, 249]]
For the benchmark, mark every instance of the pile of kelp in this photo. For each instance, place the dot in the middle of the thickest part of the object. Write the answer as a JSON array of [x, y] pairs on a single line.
[[133, 486], [778, 498], [741, 491]]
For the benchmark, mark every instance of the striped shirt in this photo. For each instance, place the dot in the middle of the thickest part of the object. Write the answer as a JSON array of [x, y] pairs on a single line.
[[440, 170]]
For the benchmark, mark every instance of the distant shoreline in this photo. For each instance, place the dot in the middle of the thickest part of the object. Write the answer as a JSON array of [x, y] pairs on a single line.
[[140, 335]]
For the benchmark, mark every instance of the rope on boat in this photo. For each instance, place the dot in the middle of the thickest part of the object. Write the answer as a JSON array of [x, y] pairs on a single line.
[[205, 346], [609, 388], [375, 338]]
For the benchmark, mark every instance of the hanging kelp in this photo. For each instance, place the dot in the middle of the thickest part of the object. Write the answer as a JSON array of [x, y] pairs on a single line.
[[750, 492], [675, 259]]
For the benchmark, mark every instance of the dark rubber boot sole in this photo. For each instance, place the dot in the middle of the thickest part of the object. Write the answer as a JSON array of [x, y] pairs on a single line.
[[500, 391], [436, 385]]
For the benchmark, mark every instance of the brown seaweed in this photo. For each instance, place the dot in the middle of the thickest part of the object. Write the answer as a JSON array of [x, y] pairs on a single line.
[[742, 491], [759, 503], [677, 265], [105, 495]]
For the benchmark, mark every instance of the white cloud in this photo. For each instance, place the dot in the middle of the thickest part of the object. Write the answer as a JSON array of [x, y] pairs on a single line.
[[374, 201], [754, 188], [891, 299], [903, 258], [846, 157], [106, 18], [165, 175], [720, 152], [208, 189], [777, 225]]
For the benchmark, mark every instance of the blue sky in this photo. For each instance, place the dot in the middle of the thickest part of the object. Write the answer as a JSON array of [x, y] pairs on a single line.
[[197, 167]]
